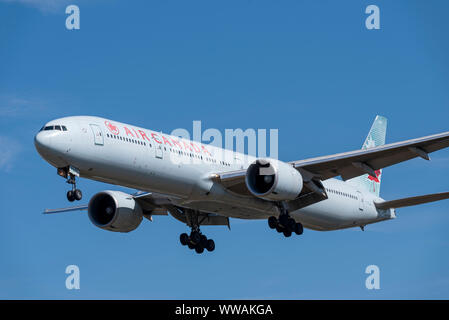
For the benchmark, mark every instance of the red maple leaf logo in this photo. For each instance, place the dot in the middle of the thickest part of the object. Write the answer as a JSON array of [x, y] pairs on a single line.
[[113, 129], [376, 178]]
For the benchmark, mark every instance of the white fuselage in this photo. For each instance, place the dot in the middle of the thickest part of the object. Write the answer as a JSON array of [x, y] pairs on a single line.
[[125, 155]]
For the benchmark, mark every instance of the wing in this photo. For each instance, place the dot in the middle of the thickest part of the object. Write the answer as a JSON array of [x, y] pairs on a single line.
[[356, 163], [152, 204], [159, 204], [351, 164], [412, 201], [69, 209]]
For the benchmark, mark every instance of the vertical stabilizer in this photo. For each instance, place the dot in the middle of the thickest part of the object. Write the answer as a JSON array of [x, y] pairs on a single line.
[[375, 138]]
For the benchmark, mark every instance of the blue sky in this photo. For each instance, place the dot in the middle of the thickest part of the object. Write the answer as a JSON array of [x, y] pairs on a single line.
[[308, 68]]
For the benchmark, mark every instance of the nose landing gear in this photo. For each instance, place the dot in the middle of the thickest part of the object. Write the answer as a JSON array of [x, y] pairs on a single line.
[[70, 174], [74, 194]]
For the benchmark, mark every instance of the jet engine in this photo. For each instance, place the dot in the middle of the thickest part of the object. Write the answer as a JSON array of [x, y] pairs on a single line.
[[114, 211], [273, 180]]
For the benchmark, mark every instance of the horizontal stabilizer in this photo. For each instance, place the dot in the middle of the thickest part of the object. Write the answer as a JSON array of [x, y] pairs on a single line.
[[412, 201]]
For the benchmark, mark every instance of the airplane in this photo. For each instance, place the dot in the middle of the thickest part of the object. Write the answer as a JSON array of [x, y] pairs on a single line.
[[200, 184]]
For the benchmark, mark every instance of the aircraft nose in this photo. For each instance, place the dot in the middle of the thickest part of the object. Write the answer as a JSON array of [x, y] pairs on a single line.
[[42, 141]]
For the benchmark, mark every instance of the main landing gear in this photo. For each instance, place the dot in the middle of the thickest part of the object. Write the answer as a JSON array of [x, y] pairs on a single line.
[[70, 174], [285, 224], [196, 240]]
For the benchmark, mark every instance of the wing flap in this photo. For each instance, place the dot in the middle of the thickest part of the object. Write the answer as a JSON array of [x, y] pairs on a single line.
[[412, 201], [154, 203], [205, 219]]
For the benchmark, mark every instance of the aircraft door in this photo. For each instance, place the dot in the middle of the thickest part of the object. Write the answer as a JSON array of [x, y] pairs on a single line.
[[98, 135], [158, 152], [361, 201], [238, 161]]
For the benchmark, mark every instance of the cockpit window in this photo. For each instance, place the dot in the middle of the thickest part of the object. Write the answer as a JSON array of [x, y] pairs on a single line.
[[59, 128]]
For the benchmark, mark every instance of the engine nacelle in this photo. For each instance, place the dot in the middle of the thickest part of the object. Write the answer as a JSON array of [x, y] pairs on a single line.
[[115, 211], [274, 180]]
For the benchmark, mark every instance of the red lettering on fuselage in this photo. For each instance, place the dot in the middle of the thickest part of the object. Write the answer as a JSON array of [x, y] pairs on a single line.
[[186, 146], [136, 133], [144, 135], [128, 132], [176, 143], [195, 147], [155, 134], [205, 150], [166, 140]]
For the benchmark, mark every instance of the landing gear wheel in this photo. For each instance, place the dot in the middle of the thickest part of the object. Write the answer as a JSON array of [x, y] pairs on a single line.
[[203, 241], [291, 224], [210, 245], [78, 194], [184, 239], [70, 196], [190, 245], [279, 228], [299, 229], [272, 222], [195, 237], [199, 248], [287, 233], [283, 220]]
